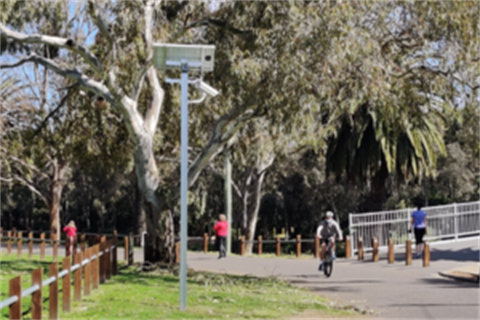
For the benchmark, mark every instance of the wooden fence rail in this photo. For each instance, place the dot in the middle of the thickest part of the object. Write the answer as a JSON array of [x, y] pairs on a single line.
[[86, 263]]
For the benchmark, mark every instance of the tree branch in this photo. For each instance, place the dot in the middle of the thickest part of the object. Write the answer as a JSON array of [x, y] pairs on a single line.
[[208, 22], [69, 44]]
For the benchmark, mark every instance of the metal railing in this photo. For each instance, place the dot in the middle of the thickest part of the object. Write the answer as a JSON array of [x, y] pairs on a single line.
[[444, 222]]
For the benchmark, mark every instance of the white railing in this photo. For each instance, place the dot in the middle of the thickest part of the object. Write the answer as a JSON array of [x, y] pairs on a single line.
[[443, 223]]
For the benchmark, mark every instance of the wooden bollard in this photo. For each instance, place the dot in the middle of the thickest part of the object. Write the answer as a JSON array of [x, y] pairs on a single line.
[[30, 244], [299, 245], [316, 247], [177, 252], [242, 246], [55, 246], [53, 292], [37, 296], [426, 255], [205, 242], [65, 286], [125, 249], [9, 242], [114, 253], [87, 272], [348, 248], [42, 246], [260, 245], [15, 289], [360, 248], [277, 244], [408, 253], [77, 277], [391, 254], [19, 245], [374, 249]]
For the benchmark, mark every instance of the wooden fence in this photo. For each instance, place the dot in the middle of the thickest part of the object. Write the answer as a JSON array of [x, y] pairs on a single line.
[[96, 264]]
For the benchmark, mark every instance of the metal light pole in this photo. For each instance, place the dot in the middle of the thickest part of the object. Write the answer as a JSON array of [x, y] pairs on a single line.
[[184, 186]]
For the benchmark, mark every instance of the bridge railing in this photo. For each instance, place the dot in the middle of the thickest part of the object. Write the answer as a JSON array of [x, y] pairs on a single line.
[[444, 222]]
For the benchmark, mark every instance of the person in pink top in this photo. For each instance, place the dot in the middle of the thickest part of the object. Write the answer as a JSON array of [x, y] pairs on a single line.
[[221, 231], [71, 232]]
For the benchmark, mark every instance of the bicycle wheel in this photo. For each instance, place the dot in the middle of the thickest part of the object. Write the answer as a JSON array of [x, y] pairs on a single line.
[[328, 264]]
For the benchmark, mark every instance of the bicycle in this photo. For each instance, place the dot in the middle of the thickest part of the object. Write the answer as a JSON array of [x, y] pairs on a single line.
[[328, 260]]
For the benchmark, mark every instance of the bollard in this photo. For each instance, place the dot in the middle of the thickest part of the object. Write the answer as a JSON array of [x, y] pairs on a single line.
[[9, 242], [242, 246], [391, 255], [360, 248], [374, 249], [177, 252], [65, 286], [42, 246], [277, 243], [53, 292], [125, 249], [37, 296], [426, 255], [299, 245], [30, 244], [316, 247], [205, 242], [15, 289], [408, 253], [260, 245], [19, 245], [348, 252]]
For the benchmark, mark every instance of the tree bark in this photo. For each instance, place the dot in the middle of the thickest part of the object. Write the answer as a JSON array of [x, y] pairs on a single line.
[[58, 172]]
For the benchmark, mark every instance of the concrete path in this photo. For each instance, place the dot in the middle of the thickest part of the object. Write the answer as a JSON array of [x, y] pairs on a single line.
[[394, 291]]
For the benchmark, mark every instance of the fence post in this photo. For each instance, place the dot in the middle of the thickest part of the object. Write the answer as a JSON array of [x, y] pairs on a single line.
[[316, 246], [75, 244], [55, 246], [77, 281], [125, 250], [114, 254], [108, 260], [19, 245], [95, 267], [30, 244], [87, 272], [42, 246], [205, 242], [408, 251], [101, 262], [260, 245], [391, 255], [360, 248], [455, 219], [277, 244], [242, 246], [9, 242], [82, 242], [299, 245], [91, 240], [67, 246], [348, 252], [37, 296], [65, 286], [374, 249], [16, 290], [426, 255], [53, 291]]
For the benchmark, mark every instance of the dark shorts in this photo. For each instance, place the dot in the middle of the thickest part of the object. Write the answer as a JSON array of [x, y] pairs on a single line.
[[419, 233], [325, 240]]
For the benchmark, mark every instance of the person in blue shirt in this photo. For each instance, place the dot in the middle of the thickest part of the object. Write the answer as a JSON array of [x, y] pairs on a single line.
[[419, 225]]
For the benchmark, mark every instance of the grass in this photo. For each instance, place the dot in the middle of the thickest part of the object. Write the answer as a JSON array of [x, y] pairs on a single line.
[[134, 294]]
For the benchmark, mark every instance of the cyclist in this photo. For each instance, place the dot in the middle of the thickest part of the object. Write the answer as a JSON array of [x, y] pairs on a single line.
[[326, 232]]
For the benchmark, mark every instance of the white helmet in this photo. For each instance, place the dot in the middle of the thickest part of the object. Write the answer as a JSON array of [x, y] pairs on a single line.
[[329, 214]]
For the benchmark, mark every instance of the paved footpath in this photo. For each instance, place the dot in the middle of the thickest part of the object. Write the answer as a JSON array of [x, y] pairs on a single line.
[[392, 290]]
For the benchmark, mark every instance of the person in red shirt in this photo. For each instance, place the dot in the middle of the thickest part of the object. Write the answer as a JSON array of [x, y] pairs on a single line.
[[71, 232], [221, 231]]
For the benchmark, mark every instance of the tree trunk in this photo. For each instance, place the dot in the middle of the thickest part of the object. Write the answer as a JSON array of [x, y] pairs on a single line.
[[253, 217], [56, 195]]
